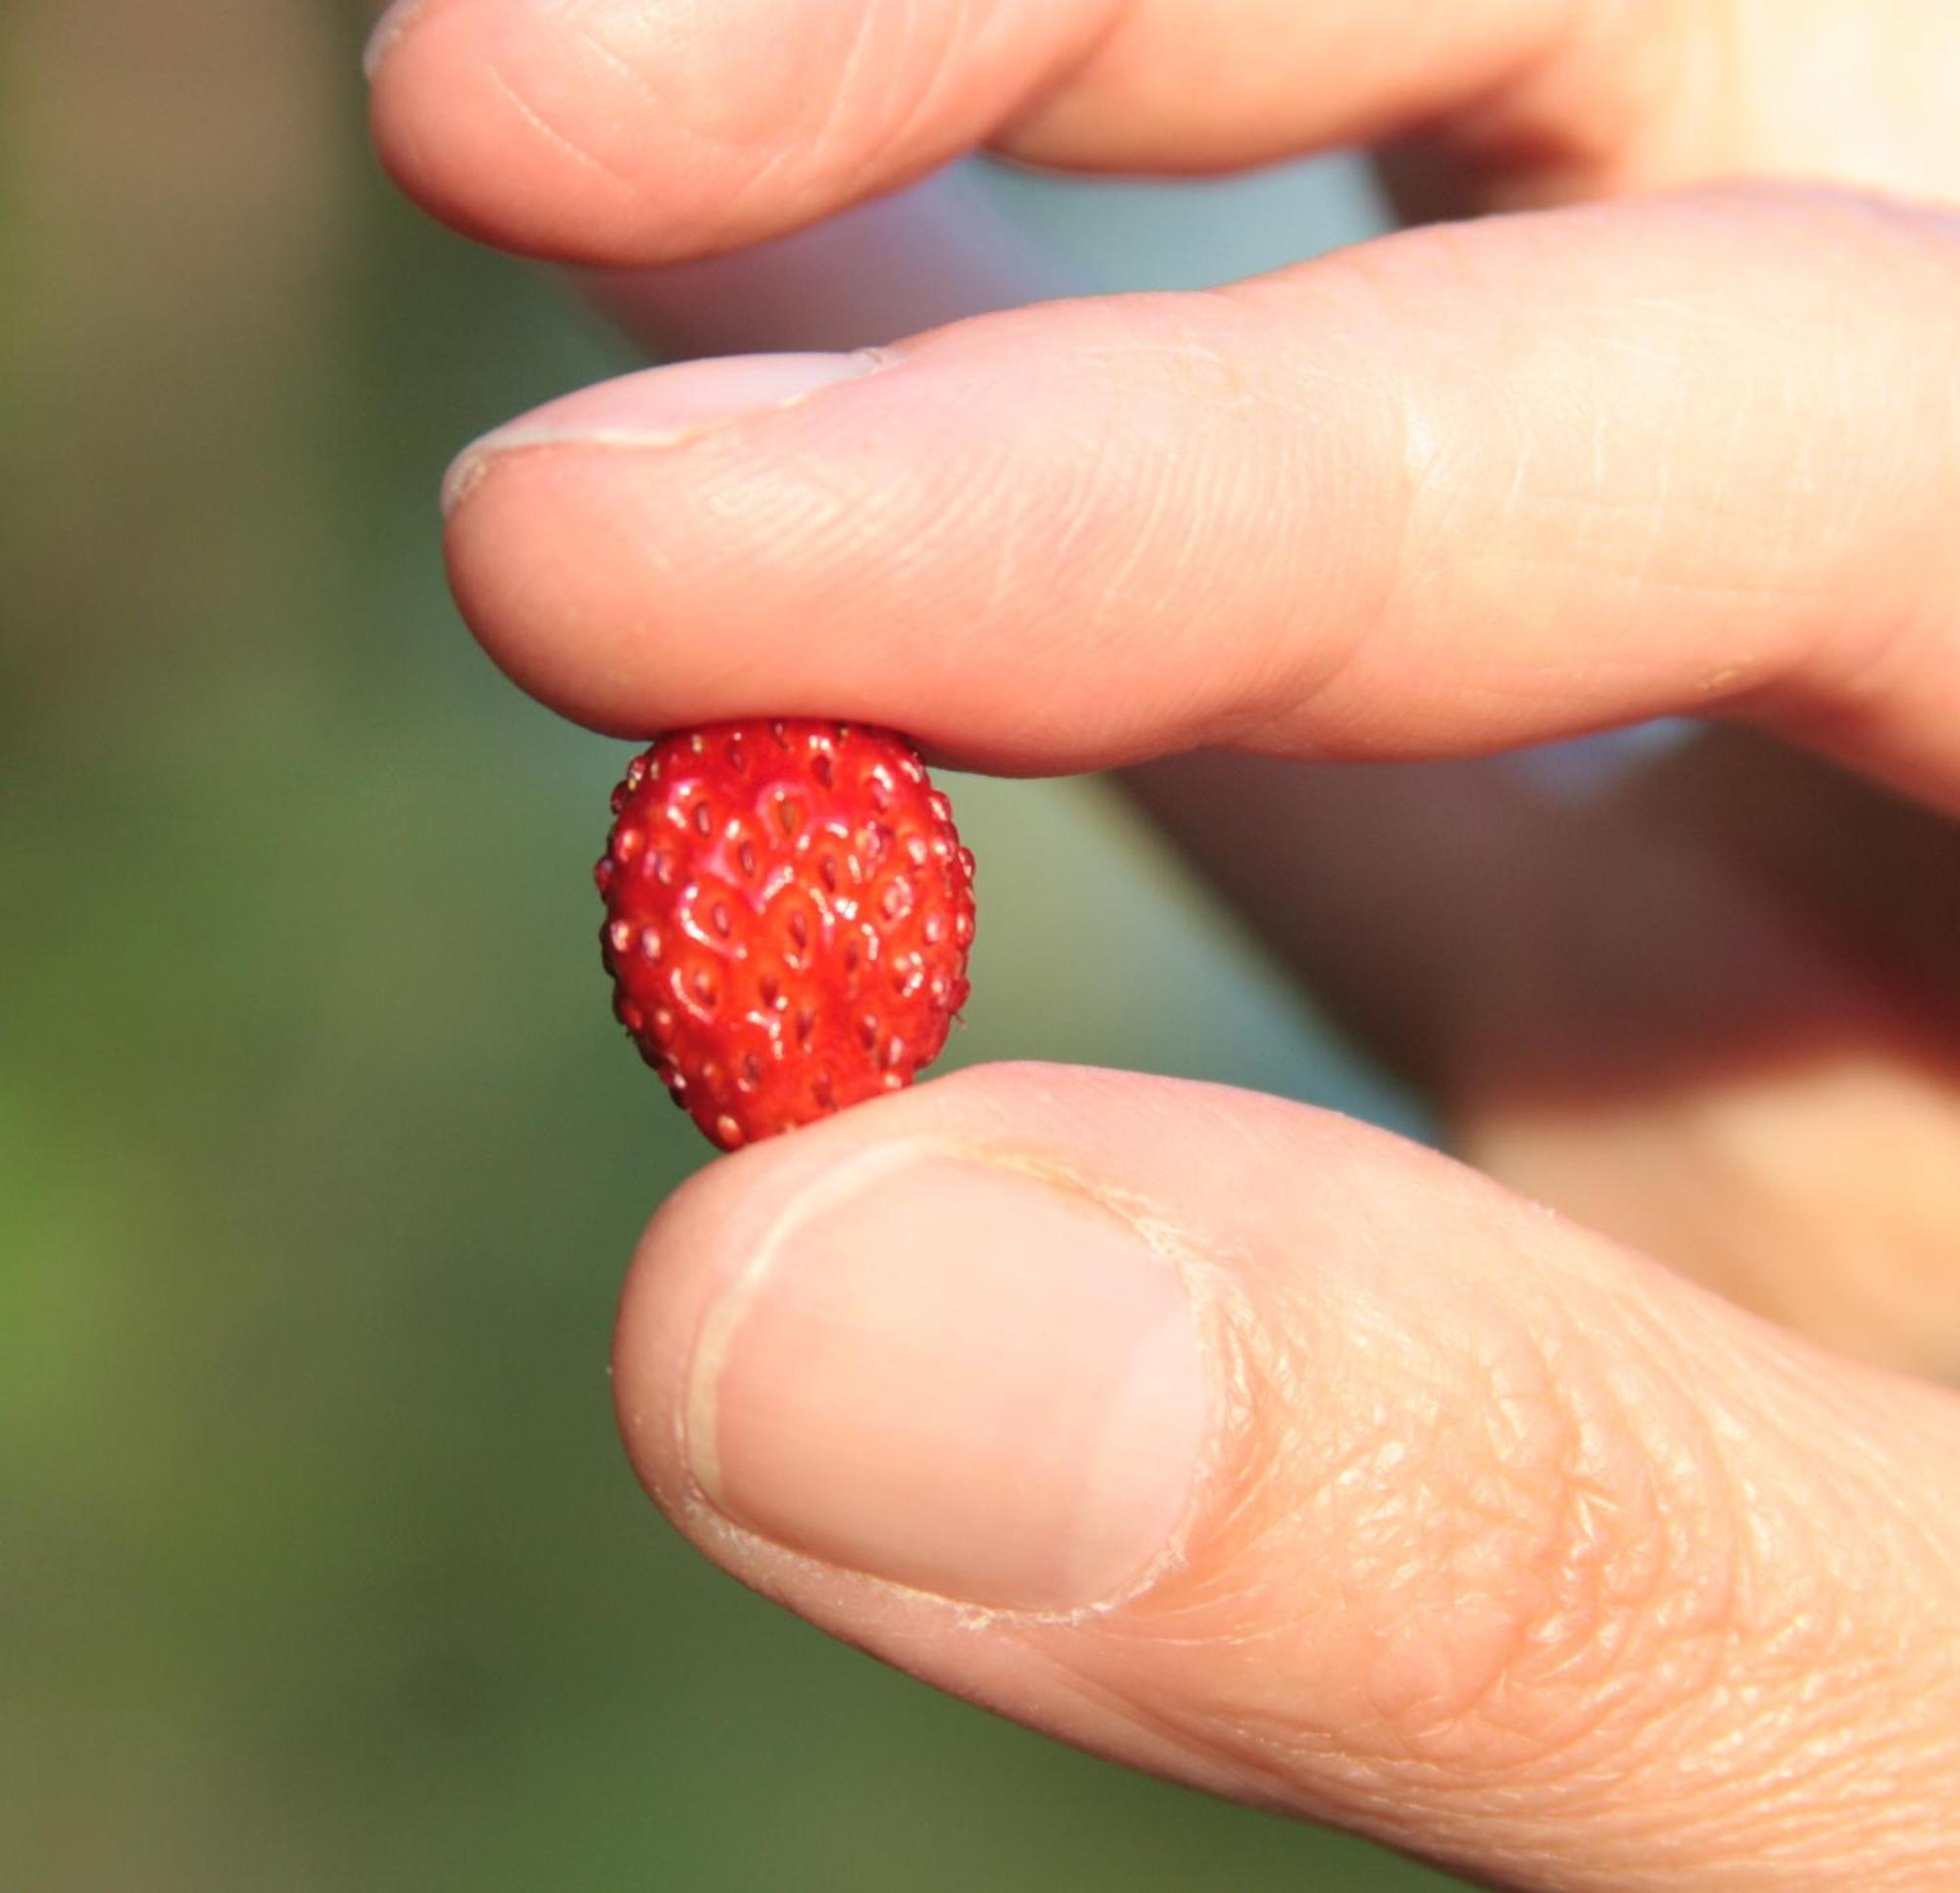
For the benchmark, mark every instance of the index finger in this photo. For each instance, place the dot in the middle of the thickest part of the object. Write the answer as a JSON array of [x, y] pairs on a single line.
[[1451, 492]]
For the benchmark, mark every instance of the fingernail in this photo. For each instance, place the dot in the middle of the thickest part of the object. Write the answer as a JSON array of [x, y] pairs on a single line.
[[387, 29], [959, 1379], [661, 408]]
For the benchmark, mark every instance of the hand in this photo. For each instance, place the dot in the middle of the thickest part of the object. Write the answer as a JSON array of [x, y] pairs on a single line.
[[1214, 1433]]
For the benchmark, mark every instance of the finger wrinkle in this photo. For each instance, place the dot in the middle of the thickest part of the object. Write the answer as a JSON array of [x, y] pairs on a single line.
[[1542, 1604], [1383, 447], [559, 139]]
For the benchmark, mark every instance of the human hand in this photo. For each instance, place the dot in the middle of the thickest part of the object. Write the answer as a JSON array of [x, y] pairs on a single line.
[[1214, 1433]]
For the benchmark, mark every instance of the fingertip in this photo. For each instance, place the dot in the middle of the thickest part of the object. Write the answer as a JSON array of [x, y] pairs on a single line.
[[568, 631], [511, 603], [513, 128], [599, 134], [881, 1236], [606, 469]]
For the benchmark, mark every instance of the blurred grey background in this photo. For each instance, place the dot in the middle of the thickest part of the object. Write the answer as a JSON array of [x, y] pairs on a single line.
[[319, 1153]]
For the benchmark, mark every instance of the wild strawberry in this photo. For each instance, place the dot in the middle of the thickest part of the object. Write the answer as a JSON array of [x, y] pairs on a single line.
[[788, 912]]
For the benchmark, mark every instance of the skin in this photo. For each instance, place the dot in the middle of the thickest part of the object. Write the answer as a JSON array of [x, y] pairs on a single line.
[[1509, 1544]]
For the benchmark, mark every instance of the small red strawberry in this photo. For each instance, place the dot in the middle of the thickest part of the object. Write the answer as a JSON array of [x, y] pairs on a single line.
[[788, 911]]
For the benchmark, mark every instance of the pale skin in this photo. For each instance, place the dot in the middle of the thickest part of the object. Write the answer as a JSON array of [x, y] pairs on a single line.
[[1220, 1435]]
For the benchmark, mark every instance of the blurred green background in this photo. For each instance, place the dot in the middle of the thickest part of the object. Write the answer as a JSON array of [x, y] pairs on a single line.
[[319, 1153]]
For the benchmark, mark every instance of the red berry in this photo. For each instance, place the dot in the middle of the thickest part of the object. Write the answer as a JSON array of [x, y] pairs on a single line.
[[788, 914]]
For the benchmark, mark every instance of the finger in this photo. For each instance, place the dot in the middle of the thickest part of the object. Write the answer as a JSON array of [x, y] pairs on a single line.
[[1796, 1137], [1242, 1445], [612, 133], [1483, 929], [1457, 490], [1707, 1003]]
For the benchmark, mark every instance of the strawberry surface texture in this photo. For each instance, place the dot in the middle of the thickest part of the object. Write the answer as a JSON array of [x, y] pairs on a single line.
[[788, 915]]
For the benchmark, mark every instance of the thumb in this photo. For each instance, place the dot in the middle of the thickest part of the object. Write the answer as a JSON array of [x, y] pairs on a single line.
[[1251, 1447]]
